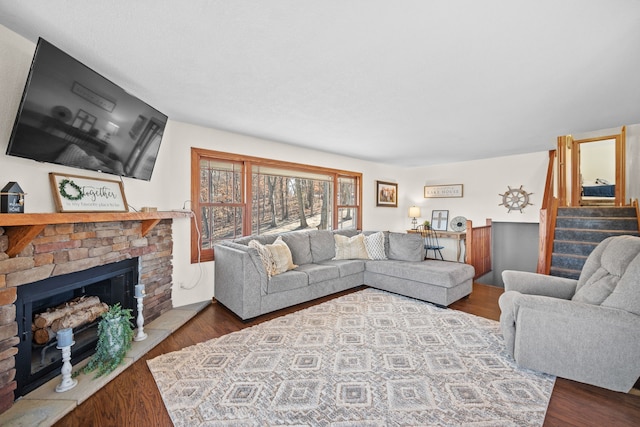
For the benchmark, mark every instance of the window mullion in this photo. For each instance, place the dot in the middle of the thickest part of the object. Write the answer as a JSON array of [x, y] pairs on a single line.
[[247, 197]]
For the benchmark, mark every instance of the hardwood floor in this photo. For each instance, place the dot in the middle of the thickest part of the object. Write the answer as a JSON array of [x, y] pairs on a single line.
[[132, 399]]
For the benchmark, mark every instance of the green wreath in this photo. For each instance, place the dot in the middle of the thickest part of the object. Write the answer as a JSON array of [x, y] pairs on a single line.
[[76, 187]]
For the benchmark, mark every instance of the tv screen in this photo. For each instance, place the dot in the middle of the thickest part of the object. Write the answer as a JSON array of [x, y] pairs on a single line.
[[71, 115]]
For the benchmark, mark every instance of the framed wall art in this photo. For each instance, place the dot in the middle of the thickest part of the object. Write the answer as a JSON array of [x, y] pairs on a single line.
[[75, 193], [439, 220], [386, 194], [453, 190]]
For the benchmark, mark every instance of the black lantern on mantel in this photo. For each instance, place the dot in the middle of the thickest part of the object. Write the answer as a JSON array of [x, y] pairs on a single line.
[[11, 198]]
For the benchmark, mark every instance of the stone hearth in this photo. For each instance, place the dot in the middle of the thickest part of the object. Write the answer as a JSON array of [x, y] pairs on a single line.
[[66, 248]]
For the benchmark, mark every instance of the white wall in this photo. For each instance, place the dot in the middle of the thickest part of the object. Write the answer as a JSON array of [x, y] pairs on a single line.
[[483, 183], [169, 187], [598, 161]]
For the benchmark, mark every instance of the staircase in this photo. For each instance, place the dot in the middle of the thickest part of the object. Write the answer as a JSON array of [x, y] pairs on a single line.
[[579, 230]]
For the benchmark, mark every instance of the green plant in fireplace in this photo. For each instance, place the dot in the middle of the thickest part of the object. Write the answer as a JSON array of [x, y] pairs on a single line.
[[114, 340]]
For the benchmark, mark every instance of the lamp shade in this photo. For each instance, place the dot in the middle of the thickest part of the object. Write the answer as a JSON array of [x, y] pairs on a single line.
[[414, 212]]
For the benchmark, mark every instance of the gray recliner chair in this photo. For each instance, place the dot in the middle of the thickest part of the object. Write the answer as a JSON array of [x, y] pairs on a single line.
[[587, 330]]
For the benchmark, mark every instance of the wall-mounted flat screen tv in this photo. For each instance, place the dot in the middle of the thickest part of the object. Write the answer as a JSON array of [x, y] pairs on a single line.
[[71, 115]]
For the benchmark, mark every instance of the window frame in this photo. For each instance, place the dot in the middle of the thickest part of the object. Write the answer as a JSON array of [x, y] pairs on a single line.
[[199, 154]]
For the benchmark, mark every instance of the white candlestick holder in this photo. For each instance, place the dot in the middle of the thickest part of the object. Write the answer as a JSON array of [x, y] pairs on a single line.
[[140, 335], [67, 382]]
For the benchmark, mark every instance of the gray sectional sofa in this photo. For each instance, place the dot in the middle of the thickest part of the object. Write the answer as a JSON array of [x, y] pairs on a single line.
[[243, 285]]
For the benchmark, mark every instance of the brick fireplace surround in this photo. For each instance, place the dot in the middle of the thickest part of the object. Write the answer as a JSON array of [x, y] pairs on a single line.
[[62, 248]]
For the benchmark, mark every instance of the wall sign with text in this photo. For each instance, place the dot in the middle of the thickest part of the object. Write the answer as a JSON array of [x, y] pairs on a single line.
[[453, 190], [74, 193]]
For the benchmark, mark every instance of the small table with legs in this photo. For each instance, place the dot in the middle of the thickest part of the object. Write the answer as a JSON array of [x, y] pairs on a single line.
[[459, 236]]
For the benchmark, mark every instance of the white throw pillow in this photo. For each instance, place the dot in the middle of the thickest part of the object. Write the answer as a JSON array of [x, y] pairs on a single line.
[[374, 244], [276, 258], [350, 247], [281, 255]]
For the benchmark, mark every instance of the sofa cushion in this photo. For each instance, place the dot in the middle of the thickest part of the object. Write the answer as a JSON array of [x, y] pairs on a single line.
[[264, 240], [374, 244], [290, 280], [350, 247], [440, 273], [406, 247], [322, 245], [347, 267], [319, 272], [298, 242]]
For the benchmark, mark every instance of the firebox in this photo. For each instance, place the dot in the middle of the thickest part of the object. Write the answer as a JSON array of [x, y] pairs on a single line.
[[37, 363]]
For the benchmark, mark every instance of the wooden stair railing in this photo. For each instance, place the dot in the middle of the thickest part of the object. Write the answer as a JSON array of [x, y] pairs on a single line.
[[478, 248], [548, 213]]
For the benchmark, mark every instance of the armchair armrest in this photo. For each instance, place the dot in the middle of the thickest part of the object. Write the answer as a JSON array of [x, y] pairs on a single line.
[[583, 342], [539, 284], [586, 314]]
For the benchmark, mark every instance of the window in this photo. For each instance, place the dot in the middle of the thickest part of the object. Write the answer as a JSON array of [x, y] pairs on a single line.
[[237, 195]]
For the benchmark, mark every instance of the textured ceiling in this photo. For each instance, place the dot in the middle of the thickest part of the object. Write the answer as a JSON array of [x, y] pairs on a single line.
[[401, 82]]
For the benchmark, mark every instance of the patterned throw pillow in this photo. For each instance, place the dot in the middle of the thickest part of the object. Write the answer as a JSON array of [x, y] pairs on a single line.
[[276, 258], [374, 244], [265, 256], [350, 247]]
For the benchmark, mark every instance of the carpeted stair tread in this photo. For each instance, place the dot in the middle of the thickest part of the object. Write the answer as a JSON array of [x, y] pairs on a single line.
[[597, 212], [568, 261], [565, 272], [612, 223], [575, 247], [589, 235]]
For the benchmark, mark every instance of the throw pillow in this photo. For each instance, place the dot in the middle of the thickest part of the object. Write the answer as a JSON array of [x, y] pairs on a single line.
[[265, 256], [350, 247], [374, 244], [276, 258], [281, 255]]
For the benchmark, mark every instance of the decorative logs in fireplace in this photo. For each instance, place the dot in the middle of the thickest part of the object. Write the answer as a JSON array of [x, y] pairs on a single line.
[[77, 312]]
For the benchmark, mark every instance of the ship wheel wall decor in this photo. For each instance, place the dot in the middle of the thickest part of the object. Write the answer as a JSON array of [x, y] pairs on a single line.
[[515, 199]]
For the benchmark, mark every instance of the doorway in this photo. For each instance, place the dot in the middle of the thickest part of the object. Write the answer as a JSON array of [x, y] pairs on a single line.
[[595, 169]]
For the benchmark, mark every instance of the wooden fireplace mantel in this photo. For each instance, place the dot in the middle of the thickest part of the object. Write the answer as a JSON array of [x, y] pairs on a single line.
[[21, 229]]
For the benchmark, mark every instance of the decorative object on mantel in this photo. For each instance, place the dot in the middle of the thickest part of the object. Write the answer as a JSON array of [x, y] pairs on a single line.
[[439, 220], [414, 212], [452, 190], [75, 193], [114, 340], [426, 224], [515, 199], [65, 341], [139, 295], [458, 223], [386, 194], [12, 198]]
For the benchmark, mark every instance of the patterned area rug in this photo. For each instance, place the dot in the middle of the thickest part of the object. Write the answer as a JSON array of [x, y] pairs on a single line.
[[369, 358]]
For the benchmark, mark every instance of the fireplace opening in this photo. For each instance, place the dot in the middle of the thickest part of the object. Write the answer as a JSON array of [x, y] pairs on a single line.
[[37, 363]]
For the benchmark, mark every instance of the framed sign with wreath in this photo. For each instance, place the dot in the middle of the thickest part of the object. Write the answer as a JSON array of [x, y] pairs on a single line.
[[74, 193]]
